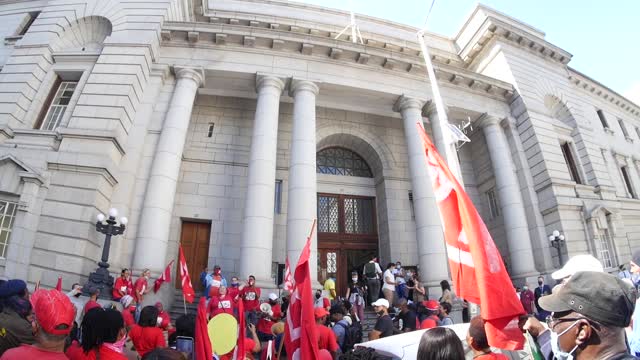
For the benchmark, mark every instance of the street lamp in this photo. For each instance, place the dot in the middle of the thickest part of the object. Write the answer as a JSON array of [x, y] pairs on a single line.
[[100, 278], [557, 241]]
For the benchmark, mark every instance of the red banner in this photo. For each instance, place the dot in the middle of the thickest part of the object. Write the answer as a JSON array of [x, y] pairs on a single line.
[[165, 277], [300, 331], [476, 266], [187, 289], [288, 282], [202, 343]]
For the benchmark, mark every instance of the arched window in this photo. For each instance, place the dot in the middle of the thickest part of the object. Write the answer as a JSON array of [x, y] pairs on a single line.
[[340, 161]]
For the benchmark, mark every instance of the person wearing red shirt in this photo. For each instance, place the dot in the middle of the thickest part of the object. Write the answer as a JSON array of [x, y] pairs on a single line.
[[234, 289], [527, 298], [93, 301], [103, 337], [431, 319], [165, 323], [54, 314], [326, 338], [266, 321], [477, 341], [141, 287], [251, 296], [223, 303], [145, 335], [123, 285]]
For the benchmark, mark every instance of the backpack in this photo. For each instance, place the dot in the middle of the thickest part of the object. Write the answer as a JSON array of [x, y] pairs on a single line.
[[352, 336], [370, 270]]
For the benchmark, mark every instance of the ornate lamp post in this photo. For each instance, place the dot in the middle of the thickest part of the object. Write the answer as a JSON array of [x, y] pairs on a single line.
[[557, 241], [100, 278]]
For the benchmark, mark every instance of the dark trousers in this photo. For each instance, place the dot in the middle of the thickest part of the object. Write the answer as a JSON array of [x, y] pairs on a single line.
[[374, 290]]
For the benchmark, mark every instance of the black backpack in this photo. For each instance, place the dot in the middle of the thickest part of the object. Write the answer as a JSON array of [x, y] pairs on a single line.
[[370, 270], [352, 335]]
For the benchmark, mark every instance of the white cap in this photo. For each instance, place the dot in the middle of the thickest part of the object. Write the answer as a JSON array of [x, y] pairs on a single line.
[[381, 302], [273, 296], [576, 264]]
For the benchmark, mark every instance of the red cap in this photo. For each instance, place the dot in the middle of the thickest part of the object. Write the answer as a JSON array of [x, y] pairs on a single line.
[[431, 304], [52, 308], [320, 312]]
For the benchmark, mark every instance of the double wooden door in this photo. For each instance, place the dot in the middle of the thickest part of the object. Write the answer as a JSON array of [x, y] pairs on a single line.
[[347, 236], [195, 245]]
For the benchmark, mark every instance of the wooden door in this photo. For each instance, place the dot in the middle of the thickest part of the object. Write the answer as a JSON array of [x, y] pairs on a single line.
[[330, 261], [195, 245]]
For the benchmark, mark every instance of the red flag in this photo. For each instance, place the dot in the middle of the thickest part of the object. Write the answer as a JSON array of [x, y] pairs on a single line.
[[202, 342], [300, 329], [288, 283], [476, 266], [242, 331], [187, 289], [165, 277], [59, 284]]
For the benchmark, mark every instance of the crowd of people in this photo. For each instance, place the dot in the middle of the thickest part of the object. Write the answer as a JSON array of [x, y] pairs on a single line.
[[584, 316]]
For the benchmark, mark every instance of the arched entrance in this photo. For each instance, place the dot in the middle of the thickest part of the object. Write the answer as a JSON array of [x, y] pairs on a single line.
[[347, 226]]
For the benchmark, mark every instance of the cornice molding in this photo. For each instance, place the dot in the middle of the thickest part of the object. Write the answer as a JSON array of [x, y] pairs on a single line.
[[493, 27], [589, 85], [291, 42]]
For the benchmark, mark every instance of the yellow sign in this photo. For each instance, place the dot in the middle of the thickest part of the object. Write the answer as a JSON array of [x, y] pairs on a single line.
[[223, 333]]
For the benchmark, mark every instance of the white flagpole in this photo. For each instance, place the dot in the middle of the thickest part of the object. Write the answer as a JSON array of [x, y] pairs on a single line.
[[450, 150], [184, 303]]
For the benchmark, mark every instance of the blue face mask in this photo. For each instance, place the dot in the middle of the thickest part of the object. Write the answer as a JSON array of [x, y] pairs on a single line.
[[555, 345]]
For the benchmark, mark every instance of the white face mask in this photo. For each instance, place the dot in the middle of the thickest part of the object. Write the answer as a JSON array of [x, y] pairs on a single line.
[[555, 345], [355, 279]]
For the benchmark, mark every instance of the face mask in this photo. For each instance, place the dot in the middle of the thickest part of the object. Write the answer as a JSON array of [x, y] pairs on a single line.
[[380, 313], [525, 288], [234, 284], [318, 296], [354, 279], [555, 345], [398, 266], [217, 272], [540, 283]]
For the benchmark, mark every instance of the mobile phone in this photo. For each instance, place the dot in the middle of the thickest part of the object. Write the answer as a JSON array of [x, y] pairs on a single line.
[[184, 344]]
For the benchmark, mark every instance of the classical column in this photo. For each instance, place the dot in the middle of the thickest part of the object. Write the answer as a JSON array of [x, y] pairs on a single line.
[[301, 205], [155, 218], [511, 206], [257, 231], [432, 257]]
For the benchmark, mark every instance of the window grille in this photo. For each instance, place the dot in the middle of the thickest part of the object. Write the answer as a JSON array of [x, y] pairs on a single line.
[[7, 218], [59, 105], [340, 161]]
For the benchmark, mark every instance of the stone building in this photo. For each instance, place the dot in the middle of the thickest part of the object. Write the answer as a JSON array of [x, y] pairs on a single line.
[[230, 125]]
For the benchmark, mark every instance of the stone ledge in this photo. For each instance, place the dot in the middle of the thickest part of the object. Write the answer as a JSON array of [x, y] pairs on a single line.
[[597, 89]]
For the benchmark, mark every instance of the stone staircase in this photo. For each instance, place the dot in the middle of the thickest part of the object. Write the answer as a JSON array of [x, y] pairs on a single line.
[[368, 323], [177, 309]]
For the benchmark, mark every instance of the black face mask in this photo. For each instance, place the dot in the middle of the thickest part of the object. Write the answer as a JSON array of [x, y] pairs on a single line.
[[540, 283], [380, 313], [318, 296]]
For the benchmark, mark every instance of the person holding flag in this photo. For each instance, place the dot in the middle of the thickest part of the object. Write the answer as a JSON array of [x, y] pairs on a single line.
[[477, 269]]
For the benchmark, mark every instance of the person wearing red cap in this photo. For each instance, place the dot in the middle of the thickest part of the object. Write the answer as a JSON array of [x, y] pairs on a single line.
[[326, 338], [429, 314], [54, 314]]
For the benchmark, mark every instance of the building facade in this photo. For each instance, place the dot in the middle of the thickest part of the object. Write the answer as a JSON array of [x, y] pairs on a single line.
[[230, 125]]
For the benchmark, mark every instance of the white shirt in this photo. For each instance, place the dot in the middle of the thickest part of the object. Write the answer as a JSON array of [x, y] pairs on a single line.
[[378, 270], [388, 276]]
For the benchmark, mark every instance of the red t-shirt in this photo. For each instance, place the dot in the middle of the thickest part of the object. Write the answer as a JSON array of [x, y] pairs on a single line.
[[128, 317], [233, 291], [526, 298], [429, 322], [166, 320], [140, 287], [119, 285], [24, 352], [90, 305], [248, 347], [264, 324], [219, 305], [147, 338], [75, 352], [326, 338], [492, 356], [251, 296]]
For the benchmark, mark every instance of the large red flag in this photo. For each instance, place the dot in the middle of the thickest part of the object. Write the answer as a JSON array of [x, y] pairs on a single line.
[[165, 277], [476, 266], [242, 330], [300, 331], [187, 289], [288, 282], [59, 284], [202, 343]]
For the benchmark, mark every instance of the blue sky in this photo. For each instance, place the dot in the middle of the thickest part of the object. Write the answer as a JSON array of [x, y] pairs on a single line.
[[603, 38]]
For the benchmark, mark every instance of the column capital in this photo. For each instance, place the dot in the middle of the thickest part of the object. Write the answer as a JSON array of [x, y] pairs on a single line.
[[404, 102], [429, 108], [269, 80], [303, 85], [486, 120], [189, 72]]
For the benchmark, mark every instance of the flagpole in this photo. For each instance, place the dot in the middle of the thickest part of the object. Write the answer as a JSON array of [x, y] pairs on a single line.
[[443, 121], [313, 227], [184, 303]]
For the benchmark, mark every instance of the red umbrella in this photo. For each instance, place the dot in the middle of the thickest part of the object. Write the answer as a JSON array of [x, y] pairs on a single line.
[[202, 344]]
